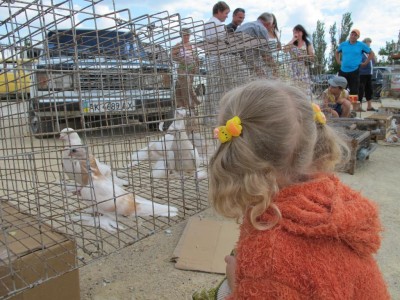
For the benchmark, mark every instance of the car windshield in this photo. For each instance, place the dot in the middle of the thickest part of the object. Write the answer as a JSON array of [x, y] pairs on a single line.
[[379, 72], [323, 77], [94, 43]]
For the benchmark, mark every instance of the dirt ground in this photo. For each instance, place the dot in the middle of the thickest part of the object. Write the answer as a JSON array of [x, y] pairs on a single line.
[[144, 270]]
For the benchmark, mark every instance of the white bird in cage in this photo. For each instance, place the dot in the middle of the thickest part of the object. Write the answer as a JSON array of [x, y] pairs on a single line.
[[110, 200], [73, 170], [173, 152]]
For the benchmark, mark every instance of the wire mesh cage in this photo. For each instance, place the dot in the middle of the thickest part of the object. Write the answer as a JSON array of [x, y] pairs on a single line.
[[240, 57], [107, 125], [386, 81]]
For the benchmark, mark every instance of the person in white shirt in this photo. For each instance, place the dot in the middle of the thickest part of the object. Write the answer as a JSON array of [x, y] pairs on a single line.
[[219, 65], [215, 27]]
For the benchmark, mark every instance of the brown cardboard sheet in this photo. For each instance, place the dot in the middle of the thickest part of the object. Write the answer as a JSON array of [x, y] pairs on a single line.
[[35, 261], [204, 244]]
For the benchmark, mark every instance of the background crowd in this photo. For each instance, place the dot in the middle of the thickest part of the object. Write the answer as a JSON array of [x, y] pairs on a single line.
[[355, 58]]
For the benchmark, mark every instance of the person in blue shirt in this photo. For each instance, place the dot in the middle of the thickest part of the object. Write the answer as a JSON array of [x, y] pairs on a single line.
[[366, 78], [349, 56], [259, 58], [258, 28]]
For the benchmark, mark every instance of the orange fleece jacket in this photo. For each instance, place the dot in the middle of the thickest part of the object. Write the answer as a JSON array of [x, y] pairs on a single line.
[[322, 248]]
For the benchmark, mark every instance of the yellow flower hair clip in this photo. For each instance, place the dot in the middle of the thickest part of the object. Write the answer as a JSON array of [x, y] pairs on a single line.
[[232, 128], [319, 116]]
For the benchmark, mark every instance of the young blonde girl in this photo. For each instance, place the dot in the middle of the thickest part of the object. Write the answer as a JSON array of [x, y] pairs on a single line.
[[304, 234]]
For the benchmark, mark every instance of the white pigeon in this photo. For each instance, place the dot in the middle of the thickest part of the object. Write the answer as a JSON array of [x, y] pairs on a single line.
[[109, 200], [159, 154], [72, 169], [172, 152], [205, 147]]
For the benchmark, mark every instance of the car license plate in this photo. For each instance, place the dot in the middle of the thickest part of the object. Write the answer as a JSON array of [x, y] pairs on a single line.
[[108, 106]]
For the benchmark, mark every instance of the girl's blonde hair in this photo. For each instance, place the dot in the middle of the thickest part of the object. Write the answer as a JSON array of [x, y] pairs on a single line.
[[280, 144]]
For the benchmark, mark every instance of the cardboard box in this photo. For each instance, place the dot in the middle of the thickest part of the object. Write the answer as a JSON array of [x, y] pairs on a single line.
[[35, 261], [204, 245]]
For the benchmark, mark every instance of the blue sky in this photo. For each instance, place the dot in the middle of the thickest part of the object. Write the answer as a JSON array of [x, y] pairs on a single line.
[[378, 20]]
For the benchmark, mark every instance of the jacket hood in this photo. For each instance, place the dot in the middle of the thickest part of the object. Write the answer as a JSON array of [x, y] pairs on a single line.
[[326, 208]]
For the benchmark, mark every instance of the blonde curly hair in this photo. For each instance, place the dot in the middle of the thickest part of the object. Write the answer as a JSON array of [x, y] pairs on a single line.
[[280, 145]]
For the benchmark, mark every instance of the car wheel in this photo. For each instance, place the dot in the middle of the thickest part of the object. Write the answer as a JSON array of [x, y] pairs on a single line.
[[151, 122], [40, 128]]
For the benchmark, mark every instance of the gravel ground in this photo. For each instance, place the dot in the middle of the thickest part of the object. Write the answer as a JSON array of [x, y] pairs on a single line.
[[144, 270]]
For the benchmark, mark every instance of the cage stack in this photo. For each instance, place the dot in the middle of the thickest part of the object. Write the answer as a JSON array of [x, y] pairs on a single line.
[[107, 127]]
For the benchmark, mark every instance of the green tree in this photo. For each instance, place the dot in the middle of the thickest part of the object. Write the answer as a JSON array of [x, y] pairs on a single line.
[[386, 53], [333, 66], [319, 44], [345, 28]]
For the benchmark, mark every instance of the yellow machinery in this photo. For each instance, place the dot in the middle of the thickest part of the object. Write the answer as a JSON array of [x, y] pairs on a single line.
[[14, 79]]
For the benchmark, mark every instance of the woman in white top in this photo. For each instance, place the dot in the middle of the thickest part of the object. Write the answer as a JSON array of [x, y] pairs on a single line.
[[185, 55], [274, 45], [273, 33]]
